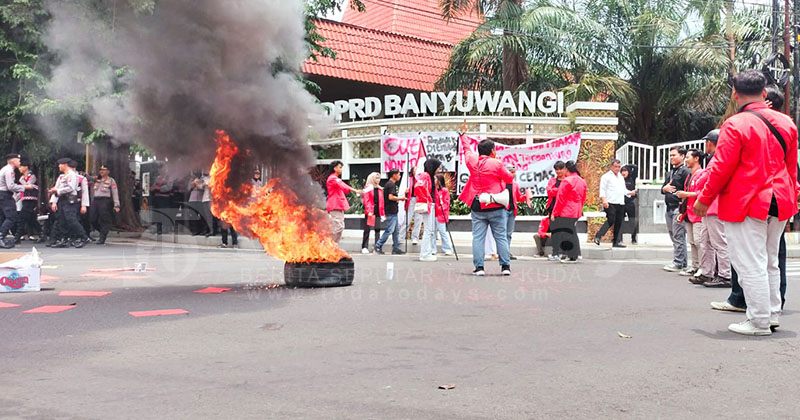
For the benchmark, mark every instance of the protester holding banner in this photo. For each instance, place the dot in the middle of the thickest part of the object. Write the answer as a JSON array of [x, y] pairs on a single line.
[[484, 193], [425, 193], [337, 202], [540, 237], [417, 218], [442, 215], [373, 209], [566, 212], [515, 195]]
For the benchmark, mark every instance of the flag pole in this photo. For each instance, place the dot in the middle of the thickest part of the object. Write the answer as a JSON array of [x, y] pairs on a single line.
[[407, 204]]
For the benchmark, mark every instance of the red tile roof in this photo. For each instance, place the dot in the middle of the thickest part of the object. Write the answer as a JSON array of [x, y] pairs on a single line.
[[419, 18], [380, 57]]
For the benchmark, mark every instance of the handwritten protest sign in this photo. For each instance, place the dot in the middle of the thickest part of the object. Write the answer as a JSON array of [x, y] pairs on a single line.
[[397, 149], [534, 162], [444, 147]]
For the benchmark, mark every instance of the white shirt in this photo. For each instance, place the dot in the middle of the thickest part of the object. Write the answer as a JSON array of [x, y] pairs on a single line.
[[612, 188]]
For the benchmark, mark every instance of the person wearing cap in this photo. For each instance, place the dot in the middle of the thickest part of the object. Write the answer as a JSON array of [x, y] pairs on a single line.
[[515, 195], [105, 203], [28, 225], [8, 206], [67, 205], [84, 200]]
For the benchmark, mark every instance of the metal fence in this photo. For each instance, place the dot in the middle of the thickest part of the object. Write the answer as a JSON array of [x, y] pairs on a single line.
[[653, 162]]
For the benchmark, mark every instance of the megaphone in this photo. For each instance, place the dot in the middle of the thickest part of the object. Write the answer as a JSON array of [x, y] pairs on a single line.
[[501, 198]]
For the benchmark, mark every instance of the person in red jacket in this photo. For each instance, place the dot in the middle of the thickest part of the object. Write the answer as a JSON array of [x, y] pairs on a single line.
[[566, 212], [442, 215], [695, 229], [337, 202], [540, 237], [425, 192], [754, 176], [372, 198], [487, 175]]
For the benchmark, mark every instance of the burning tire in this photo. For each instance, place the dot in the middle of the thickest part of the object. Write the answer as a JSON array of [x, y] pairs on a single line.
[[319, 274]]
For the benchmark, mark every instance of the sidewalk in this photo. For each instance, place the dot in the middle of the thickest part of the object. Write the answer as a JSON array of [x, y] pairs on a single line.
[[652, 246]]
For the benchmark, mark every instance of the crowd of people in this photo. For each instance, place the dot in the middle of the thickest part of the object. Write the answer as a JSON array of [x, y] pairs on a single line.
[[77, 204]]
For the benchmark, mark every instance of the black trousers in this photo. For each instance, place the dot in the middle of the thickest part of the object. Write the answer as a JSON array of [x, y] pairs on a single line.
[[630, 211], [69, 225], [565, 237], [615, 214], [8, 207], [28, 225], [367, 228], [234, 236], [102, 215]]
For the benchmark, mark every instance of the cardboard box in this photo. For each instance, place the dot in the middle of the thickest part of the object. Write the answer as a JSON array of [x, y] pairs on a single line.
[[21, 279]]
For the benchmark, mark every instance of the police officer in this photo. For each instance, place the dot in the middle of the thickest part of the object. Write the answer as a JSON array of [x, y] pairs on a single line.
[[8, 206], [105, 189], [84, 201], [67, 205], [30, 203]]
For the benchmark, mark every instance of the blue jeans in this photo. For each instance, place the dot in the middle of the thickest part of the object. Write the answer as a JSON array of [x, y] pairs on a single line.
[[736, 297], [510, 223], [393, 229], [497, 220], [428, 244], [441, 228]]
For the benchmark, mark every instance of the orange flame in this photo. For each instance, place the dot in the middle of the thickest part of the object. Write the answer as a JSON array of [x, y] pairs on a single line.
[[286, 229]]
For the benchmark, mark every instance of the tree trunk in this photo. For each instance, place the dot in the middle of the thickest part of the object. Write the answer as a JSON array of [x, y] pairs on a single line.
[[732, 108], [515, 67]]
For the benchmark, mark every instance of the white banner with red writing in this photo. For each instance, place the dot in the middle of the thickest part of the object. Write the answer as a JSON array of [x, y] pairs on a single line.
[[397, 149], [534, 162]]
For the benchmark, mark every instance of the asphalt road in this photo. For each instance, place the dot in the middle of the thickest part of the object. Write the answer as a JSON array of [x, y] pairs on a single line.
[[541, 344]]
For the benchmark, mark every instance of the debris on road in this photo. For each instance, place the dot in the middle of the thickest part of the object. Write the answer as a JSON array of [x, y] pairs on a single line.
[[621, 335], [447, 387]]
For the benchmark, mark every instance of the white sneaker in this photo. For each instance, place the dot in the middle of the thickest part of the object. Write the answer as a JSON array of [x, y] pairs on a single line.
[[506, 271], [747, 328], [448, 254], [429, 258], [553, 258], [725, 306], [414, 242], [687, 272], [672, 267], [364, 250]]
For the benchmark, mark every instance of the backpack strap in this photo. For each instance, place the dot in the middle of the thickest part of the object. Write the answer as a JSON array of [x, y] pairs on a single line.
[[772, 128]]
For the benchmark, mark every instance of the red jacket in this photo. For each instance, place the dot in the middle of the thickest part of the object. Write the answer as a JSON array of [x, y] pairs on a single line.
[[336, 189], [693, 186], [517, 196], [443, 205], [486, 175], [571, 197], [368, 198], [750, 167], [552, 191], [422, 189]]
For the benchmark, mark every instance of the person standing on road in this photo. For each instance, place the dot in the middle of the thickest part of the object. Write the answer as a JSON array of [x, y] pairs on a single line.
[[337, 202], [442, 215], [487, 175], [425, 193], [66, 190], [8, 206], [28, 225], [515, 196], [630, 173], [674, 182], [566, 212], [540, 237], [104, 203], [391, 209], [612, 193], [755, 178], [374, 210], [694, 224]]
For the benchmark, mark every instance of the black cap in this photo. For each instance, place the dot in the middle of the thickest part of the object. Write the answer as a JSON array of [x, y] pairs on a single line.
[[24, 162], [13, 156], [64, 161], [712, 136], [73, 164], [103, 167]]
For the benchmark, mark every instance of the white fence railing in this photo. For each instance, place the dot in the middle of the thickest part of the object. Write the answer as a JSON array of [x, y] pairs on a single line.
[[641, 155], [653, 162]]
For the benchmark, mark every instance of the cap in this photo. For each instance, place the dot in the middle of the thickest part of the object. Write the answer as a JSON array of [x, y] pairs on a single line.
[[712, 136], [64, 161], [72, 164], [13, 156], [103, 167], [24, 162]]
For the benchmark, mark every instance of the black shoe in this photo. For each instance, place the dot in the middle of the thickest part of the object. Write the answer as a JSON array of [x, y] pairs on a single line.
[[634, 242], [701, 279], [718, 282], [512, 258], [618, 245], [596, 240], [101, 241], [398, 252], [379, 251], [6, 244], [506, 269], [61, 244], [80, 243], [479, 271], [40, 240]]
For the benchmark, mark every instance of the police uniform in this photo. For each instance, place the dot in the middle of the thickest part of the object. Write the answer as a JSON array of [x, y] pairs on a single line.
[[8, 206], [106, 199], [27, 215], [84, 201], [69, 207]]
